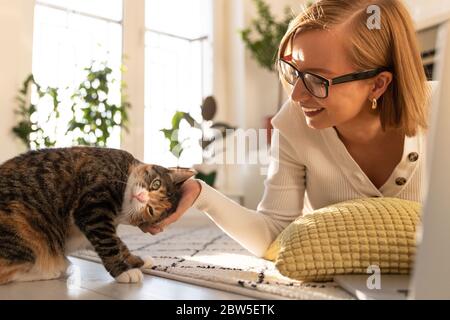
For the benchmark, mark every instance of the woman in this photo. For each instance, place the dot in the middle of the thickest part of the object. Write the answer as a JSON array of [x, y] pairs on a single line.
[[353, 126]]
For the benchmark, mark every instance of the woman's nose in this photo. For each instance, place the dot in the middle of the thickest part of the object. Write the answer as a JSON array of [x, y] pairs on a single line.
[[299, 92]]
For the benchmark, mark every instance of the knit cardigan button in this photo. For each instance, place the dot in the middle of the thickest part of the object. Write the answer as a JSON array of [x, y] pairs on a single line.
[[400, 181], [413, 156]]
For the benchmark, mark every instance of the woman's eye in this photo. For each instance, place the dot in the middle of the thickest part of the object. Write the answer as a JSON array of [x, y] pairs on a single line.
[[156, 184]]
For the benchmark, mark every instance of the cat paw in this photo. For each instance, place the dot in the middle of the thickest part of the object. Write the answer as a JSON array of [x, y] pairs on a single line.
[[130, 276], [148, 262], [134, 261]]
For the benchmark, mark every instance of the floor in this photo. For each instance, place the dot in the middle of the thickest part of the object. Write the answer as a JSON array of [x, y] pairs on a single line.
[[89, 280]]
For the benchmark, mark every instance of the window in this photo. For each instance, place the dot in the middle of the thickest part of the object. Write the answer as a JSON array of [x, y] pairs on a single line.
[[68, 35], [178, 73]]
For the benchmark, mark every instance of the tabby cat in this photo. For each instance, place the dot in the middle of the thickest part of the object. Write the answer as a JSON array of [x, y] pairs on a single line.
[[56, 201]]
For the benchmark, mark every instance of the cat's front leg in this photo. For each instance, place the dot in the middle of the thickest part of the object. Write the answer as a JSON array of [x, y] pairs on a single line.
[[99, 229], [136, 261]]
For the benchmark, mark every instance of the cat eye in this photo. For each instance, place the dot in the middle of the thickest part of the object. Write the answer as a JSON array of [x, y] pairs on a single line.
[[156, 184]]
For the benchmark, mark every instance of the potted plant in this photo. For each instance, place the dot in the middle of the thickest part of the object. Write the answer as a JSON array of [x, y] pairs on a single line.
[[93, 115], [28, 129], [205, 171], [262, 39]]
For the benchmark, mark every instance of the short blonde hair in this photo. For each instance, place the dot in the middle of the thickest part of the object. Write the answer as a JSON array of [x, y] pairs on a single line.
[[404, 104]]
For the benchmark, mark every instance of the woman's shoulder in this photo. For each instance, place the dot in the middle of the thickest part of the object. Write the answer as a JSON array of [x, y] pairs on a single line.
[[291, 123], [289, 118]]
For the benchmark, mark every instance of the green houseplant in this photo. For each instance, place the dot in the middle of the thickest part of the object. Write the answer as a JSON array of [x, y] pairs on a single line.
[[93, 115], [28, 129], [263, 37], [208, 111]]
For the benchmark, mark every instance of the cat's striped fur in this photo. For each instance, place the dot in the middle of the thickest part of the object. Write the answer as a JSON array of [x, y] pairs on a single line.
[[55, 201]]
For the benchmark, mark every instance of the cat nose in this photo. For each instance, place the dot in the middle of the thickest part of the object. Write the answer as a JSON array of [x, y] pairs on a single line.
[[141, 196]]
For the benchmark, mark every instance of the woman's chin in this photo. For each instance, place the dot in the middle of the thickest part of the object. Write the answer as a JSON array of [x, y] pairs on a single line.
[[317, 125]]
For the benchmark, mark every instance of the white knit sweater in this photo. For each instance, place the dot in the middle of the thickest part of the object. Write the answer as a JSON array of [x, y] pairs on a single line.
[[314, 170]]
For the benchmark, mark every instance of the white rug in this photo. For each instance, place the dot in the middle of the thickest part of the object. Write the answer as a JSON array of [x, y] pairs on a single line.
[[207, 257]]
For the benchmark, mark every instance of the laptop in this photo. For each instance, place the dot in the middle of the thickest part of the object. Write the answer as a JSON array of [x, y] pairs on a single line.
[[430, 277]]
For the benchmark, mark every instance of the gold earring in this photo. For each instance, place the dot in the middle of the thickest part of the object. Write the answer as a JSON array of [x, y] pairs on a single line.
[[374, 104]]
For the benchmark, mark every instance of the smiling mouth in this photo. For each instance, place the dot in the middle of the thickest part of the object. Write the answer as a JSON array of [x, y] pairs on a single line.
[[311, 112]]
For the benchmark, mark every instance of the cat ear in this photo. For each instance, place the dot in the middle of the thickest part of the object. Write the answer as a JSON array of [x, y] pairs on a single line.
[[180, 175]]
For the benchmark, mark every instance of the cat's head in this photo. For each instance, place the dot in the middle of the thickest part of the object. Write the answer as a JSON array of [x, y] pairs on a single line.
[[152, 193]]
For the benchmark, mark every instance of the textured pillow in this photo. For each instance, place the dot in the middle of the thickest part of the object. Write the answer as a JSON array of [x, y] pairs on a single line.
[[348, 237]]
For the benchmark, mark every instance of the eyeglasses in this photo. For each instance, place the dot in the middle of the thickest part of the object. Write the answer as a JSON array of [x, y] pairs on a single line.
[[318, 85]]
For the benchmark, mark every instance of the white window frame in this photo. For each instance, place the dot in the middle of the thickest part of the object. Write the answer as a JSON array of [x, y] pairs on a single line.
[[70, 11], [133, 57], [133, 37], [133, 51]]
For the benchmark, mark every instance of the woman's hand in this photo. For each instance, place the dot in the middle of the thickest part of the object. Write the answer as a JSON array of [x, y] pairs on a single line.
[[190, 191]]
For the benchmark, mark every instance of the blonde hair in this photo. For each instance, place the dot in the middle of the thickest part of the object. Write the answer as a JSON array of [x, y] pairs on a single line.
[[394, 45]]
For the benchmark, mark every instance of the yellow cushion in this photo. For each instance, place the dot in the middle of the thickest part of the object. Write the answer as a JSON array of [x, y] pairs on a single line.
[[347, 238]]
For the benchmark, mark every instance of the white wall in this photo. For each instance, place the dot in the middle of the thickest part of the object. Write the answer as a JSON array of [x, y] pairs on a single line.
[[134, 77], [245, 92], [227, 59], [262, 86], [428, 13], [16, 36]]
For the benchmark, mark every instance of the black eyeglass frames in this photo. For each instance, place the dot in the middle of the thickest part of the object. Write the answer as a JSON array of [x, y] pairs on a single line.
[[318, 85]]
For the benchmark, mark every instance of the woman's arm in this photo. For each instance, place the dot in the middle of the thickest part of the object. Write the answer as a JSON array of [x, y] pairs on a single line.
[[281, 204]]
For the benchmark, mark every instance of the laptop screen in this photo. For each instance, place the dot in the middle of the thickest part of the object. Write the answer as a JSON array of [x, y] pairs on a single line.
[[431, 271]]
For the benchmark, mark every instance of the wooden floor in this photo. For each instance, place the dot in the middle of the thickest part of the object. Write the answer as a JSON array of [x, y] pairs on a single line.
[[90, 280]]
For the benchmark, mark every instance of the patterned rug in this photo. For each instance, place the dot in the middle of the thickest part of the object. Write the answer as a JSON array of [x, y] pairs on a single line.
[[206, 256]]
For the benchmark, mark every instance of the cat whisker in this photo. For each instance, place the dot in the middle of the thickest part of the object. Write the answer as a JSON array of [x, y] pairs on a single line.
[[121, 170], [125, 183]]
